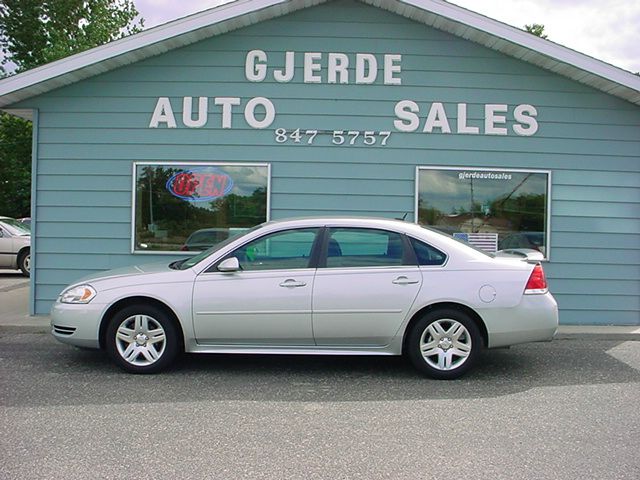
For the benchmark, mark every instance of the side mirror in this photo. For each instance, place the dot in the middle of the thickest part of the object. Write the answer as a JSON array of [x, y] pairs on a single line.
[[229, 265]]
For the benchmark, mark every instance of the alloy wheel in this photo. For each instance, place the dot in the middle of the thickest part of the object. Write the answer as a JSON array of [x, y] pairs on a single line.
[[140, 340], [445, 344]]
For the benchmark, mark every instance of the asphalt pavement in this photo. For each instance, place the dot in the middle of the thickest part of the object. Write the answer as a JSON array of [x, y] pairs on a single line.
[[561, 410]]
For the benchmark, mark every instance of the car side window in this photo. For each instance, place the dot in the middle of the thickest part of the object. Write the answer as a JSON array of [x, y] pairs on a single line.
[[426, 254], [278, 251], [360, 247]]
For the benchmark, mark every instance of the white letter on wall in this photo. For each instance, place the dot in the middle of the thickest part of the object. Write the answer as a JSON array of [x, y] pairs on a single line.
[[289, 69], [366, 68], [406, 110], [250, 112], [253, 71], [338, 64], [187, 112], [524, 114], [462, 120], [437, 118], [227, 106], [310, 67], [390, 68], [490, 119], [163, 114]]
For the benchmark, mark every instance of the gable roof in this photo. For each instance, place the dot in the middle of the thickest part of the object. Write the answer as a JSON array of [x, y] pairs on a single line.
[[438, 14]]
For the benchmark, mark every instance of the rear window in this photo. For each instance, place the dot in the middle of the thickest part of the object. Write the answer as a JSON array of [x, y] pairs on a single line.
[[15, 227]]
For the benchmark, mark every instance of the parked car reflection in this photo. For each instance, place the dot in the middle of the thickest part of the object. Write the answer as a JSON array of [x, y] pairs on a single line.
[[530, 240], [208, 237]]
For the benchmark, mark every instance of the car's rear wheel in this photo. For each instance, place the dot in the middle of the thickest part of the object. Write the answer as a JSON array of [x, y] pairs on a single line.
[[142, 339], [24, 263], [444, 344]]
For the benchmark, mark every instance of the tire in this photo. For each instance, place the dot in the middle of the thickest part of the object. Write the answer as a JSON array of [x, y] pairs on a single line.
[[24, 263], [142, 339], [444, 344]]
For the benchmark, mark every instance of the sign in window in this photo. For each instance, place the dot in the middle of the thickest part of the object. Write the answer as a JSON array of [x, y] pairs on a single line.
[[191, 207]]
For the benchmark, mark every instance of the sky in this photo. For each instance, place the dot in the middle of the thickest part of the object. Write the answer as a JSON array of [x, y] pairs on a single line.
[[604, 29]]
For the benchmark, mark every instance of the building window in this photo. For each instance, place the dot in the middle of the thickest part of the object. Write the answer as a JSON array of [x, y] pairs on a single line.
[[190, 207], [491, 209]]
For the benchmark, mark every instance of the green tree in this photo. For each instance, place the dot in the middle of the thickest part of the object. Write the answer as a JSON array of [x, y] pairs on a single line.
[[35, 32], [15, 166], [536, 29]]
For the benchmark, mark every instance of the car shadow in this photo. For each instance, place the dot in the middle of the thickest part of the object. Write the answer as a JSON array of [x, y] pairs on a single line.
[[60, 374]]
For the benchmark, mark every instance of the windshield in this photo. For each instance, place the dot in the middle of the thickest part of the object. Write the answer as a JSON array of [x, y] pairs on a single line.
[[190, 262], [14, 227]]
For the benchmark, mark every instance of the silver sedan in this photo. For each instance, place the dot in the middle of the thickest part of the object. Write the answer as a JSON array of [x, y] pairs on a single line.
[[322, 286]]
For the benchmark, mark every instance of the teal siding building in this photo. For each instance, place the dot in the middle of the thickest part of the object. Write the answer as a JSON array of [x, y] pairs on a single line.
[[260, 110]]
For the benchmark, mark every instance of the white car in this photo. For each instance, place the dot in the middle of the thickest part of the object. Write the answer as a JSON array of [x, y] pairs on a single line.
[[340, 286], [15, 245]]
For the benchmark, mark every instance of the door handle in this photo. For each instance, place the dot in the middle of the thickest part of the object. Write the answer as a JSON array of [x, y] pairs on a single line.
[[291, 283], [404, 281]]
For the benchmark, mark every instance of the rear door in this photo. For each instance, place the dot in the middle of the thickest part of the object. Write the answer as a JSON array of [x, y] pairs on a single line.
[[364, 288]]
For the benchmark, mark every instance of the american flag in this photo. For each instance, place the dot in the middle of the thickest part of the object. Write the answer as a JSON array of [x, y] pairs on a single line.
[[485, 241]]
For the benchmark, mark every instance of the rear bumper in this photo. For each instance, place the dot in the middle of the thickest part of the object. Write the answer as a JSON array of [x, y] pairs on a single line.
[[534, 320]]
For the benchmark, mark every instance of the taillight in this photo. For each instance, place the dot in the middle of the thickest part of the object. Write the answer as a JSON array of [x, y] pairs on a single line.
[[537, 282]]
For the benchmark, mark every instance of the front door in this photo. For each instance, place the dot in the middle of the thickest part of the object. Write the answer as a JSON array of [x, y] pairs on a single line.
[[266, 302]]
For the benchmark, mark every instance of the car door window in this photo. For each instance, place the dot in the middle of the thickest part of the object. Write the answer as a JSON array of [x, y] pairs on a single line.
[[278, 251], [426, 254], [360, 247]]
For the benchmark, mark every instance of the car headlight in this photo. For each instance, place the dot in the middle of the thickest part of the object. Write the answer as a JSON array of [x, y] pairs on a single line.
[[78, 294]]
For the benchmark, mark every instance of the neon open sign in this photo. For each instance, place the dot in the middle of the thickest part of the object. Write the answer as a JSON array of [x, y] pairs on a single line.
[[200, 185]]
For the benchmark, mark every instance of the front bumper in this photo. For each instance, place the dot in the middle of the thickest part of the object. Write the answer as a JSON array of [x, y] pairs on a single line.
[[77, 324]]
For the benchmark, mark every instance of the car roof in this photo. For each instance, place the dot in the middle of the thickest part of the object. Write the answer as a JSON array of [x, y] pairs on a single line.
[[352, 221]]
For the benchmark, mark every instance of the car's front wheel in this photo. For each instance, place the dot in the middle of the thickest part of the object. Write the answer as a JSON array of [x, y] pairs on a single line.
[[444, 344], [142, 339]]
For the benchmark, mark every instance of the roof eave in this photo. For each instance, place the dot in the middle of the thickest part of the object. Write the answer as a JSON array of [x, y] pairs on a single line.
[[231, 16]]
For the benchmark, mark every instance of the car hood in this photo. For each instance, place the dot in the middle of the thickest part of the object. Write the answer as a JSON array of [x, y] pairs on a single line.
[[128, 272]]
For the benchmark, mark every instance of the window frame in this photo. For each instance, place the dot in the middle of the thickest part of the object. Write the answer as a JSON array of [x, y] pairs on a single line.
[[548, 173], [135, 166]]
